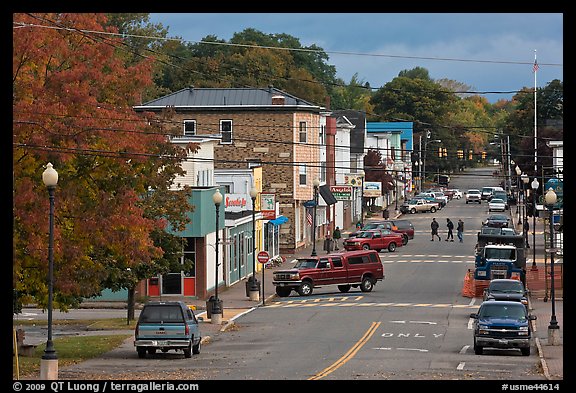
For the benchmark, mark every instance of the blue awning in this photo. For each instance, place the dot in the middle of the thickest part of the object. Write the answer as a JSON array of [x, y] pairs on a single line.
[[278, 220]]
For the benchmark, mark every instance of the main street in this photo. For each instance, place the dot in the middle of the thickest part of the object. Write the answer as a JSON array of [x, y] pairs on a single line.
[[414, 325]]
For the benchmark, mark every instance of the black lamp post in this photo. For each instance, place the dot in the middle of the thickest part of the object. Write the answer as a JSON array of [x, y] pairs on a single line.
[[525, 180], [316, 184], [49, 362], [216, 317], [534, 185], [252, 283], [518, 185], [553, 327], [363, 175]]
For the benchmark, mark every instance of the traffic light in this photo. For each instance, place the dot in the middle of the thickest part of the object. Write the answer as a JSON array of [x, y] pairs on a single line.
[[440, 152], [445, 153], [470, 155], [460, 154], [483, 155]]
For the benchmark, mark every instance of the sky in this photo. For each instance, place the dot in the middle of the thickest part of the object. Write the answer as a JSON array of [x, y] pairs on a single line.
[[490, 52]]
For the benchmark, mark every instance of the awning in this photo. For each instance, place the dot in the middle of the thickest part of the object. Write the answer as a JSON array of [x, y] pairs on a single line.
[[278, 220]]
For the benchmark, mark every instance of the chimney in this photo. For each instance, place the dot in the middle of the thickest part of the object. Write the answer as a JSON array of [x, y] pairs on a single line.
[[278, 100]]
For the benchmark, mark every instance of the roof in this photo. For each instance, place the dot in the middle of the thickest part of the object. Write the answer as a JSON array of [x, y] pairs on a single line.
[[226, 98]]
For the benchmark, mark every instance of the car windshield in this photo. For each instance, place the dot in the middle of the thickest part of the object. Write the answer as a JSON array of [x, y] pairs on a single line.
[[161, 314], [498, 310], [365, 235], [305, 263], [498, 218], [373, 225], [500, 253], [495, 200], [506, 287]]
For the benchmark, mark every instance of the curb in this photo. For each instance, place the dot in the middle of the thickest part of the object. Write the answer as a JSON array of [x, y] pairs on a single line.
[[539, 345]]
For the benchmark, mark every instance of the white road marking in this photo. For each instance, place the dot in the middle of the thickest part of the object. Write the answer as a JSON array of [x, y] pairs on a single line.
[[464, 349], [461, 366]]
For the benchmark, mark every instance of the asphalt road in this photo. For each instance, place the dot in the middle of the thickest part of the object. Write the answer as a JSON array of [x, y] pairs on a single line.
[[414, 325]]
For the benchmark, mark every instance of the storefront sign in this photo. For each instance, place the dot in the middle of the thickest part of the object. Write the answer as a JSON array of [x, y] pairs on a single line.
[[372, 189], [342, 193], [353, 179], [268, 205], [237, 202]]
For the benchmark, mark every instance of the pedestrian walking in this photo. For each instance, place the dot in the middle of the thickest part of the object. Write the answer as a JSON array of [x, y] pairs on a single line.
[[434, 226], [460, 230], [328, 244], [336, 235], [450, 226]]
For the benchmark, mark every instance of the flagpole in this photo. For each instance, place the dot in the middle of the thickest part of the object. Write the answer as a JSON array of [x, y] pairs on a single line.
[[535, 117]]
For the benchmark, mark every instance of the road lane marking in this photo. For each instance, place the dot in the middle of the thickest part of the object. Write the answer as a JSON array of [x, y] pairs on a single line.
[[348, 355], [461, 366]]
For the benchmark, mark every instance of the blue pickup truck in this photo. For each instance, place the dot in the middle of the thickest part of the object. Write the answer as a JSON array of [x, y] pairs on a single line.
[[165, 326], [502, 324]]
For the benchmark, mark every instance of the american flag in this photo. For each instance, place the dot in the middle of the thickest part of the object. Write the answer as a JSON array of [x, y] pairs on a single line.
[[536, 67], [308, 217]]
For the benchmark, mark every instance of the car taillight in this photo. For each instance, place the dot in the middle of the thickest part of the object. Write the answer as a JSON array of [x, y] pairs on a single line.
[[136, 331], [187, 330]]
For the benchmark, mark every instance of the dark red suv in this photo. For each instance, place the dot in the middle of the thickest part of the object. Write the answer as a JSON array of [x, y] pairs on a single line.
[[405, 227]]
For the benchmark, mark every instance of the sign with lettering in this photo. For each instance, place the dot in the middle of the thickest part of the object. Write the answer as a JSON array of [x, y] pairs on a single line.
[[237, 202], [268, 206], [353, 179], [372, 189], [342, 193]]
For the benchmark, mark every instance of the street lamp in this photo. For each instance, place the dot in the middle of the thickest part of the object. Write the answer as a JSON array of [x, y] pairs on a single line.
[[518, 173], [316, 184], [363, 175], [49, 362], [253, 284], [216, 317], [525, 180], [553, 328], [534, 185]]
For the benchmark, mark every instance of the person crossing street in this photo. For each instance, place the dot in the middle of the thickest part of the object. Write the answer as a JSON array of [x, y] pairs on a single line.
[[434, 226], [460, 230], [450, 226]]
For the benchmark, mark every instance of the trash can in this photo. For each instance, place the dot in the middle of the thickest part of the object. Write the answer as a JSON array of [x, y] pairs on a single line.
[[249, 286], [385, 214], [210, 304]]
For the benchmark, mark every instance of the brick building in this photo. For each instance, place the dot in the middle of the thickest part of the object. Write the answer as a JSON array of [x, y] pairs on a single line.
[[263, 127]]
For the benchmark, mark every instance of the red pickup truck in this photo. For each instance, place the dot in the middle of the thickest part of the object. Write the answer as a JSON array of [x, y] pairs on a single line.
[[375, 239], [347, 269]]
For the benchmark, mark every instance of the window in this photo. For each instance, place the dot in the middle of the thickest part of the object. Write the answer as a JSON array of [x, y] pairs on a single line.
[[189, 127], [189, 253], [303, 132], [226, 131], [322, 135], [302, 175], [337, 262]]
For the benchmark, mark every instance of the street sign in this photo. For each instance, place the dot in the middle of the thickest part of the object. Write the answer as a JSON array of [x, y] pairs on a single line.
[[263, 257], [310, 203]]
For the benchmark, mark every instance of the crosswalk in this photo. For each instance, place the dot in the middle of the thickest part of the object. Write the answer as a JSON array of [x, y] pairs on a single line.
[[356, 301], [387, 258]]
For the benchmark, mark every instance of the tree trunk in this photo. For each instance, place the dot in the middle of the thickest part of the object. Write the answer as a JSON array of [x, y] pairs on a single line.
[[131, 305]]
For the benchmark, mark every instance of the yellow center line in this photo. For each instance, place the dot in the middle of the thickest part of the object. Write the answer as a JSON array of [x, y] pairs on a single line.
[[348, 355]]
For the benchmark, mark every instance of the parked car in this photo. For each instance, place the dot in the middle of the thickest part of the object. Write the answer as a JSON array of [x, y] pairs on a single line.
[[506, 289], [375, 239], [435, 196], [418, 205], [496, 204], [405, 227], [167, 325], [486, 192], [473, 196], [498, 221], [456, 193], [347, 269], [501, 195], [502, 324]]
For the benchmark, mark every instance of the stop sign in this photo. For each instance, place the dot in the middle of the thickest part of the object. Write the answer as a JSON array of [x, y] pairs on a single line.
[[263, 257]]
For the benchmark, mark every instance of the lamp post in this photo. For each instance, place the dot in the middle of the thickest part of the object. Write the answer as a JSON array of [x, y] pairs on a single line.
[[216, 312], [518, 173], [553, 328], [363, 176], [534, 185], [525, 180], [316, 184], [49, 361], [252, 284]]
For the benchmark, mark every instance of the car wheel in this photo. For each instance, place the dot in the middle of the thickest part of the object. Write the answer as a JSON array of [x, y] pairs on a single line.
[[432, 209], [466, 202], [305, 289], [477, 349], [412, 211], [196, 348], [366, 285], [283, 292], [188, 351], [141, 352], [525, 351], [404, 240], [365, 246], [151, 351], [344, 288], [392, 247]]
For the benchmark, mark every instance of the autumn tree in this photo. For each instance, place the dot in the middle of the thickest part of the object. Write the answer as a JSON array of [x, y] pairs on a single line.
[[72, 106]]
